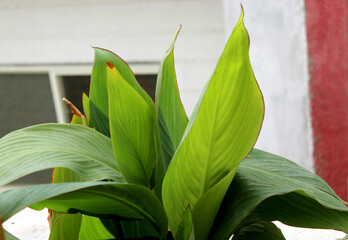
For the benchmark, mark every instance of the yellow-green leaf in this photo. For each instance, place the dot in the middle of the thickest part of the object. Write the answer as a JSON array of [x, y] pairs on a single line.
[[221, 132], [171, 116], [131, 127]]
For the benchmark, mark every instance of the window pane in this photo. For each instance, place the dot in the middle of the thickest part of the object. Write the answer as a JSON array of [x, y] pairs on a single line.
[[26, 100], [74, 86]]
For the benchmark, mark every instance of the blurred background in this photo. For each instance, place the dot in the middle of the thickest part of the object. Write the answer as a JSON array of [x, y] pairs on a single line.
[[298, 50]]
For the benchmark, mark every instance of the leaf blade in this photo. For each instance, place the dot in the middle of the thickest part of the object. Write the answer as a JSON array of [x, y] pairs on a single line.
[[99, 111], [81, 149], [259, 230], [99, 199], [93, 228], [222, 130], [66, 226], [296, 196], [170, 112], [131, 127]]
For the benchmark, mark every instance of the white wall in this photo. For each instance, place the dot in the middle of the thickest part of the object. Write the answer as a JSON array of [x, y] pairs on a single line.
[[61, 32], [278, 54]]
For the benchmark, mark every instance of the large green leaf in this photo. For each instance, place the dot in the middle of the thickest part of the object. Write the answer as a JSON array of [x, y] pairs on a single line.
[[66, 226], [185, 229], [69, 224], [171, 116], [259, 231], [268, 187], [99, 111], [81, 149], [94, 228], [140, 229], [131, 127], [100, 199], [221, 132]]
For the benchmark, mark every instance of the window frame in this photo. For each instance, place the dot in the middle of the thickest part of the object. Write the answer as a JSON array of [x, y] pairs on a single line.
[[56, 72]]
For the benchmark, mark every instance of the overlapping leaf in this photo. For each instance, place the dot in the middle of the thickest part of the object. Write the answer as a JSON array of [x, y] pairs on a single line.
[[131, 127], [85, 104], [94, 228], [221, 132], [171, 116], [260, 231], [100, 199], [268, 187], [98, 104], [81, 149], [66, 225], [185, 229]]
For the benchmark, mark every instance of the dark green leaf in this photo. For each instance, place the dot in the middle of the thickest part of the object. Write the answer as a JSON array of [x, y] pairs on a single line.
[[99, 199], [259, 231], [268, 187], [138, 230], [185, 229]]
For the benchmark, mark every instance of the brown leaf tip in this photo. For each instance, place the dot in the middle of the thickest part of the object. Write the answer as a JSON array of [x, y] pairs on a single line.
[[73, 109], [109, 65]]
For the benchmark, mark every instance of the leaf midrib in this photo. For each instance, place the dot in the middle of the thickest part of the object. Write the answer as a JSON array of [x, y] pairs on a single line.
[[127, 203]]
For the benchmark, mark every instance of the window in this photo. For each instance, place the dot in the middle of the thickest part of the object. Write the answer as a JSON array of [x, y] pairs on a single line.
[[75, 86], [33, 94], [26, 100]]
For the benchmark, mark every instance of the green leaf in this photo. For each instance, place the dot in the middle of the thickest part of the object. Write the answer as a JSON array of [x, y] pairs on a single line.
[[185, 229], [66, 226], [81, 149], [9, 236], [221, 132], [85, 105], [12, 201], [78, 117], [171, 116], [259, 231], [99, 199], [131, 127], [94, 228], [268, 187], [99, 111], [121, 200], [76, 120], [61, 175], [139, 229]]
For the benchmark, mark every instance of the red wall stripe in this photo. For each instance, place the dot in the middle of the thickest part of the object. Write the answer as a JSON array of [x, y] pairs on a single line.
[[327, 36]]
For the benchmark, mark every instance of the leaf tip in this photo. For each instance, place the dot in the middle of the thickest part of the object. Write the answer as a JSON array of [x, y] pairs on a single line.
[[73, 109], [241, 12], [109, 65]]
